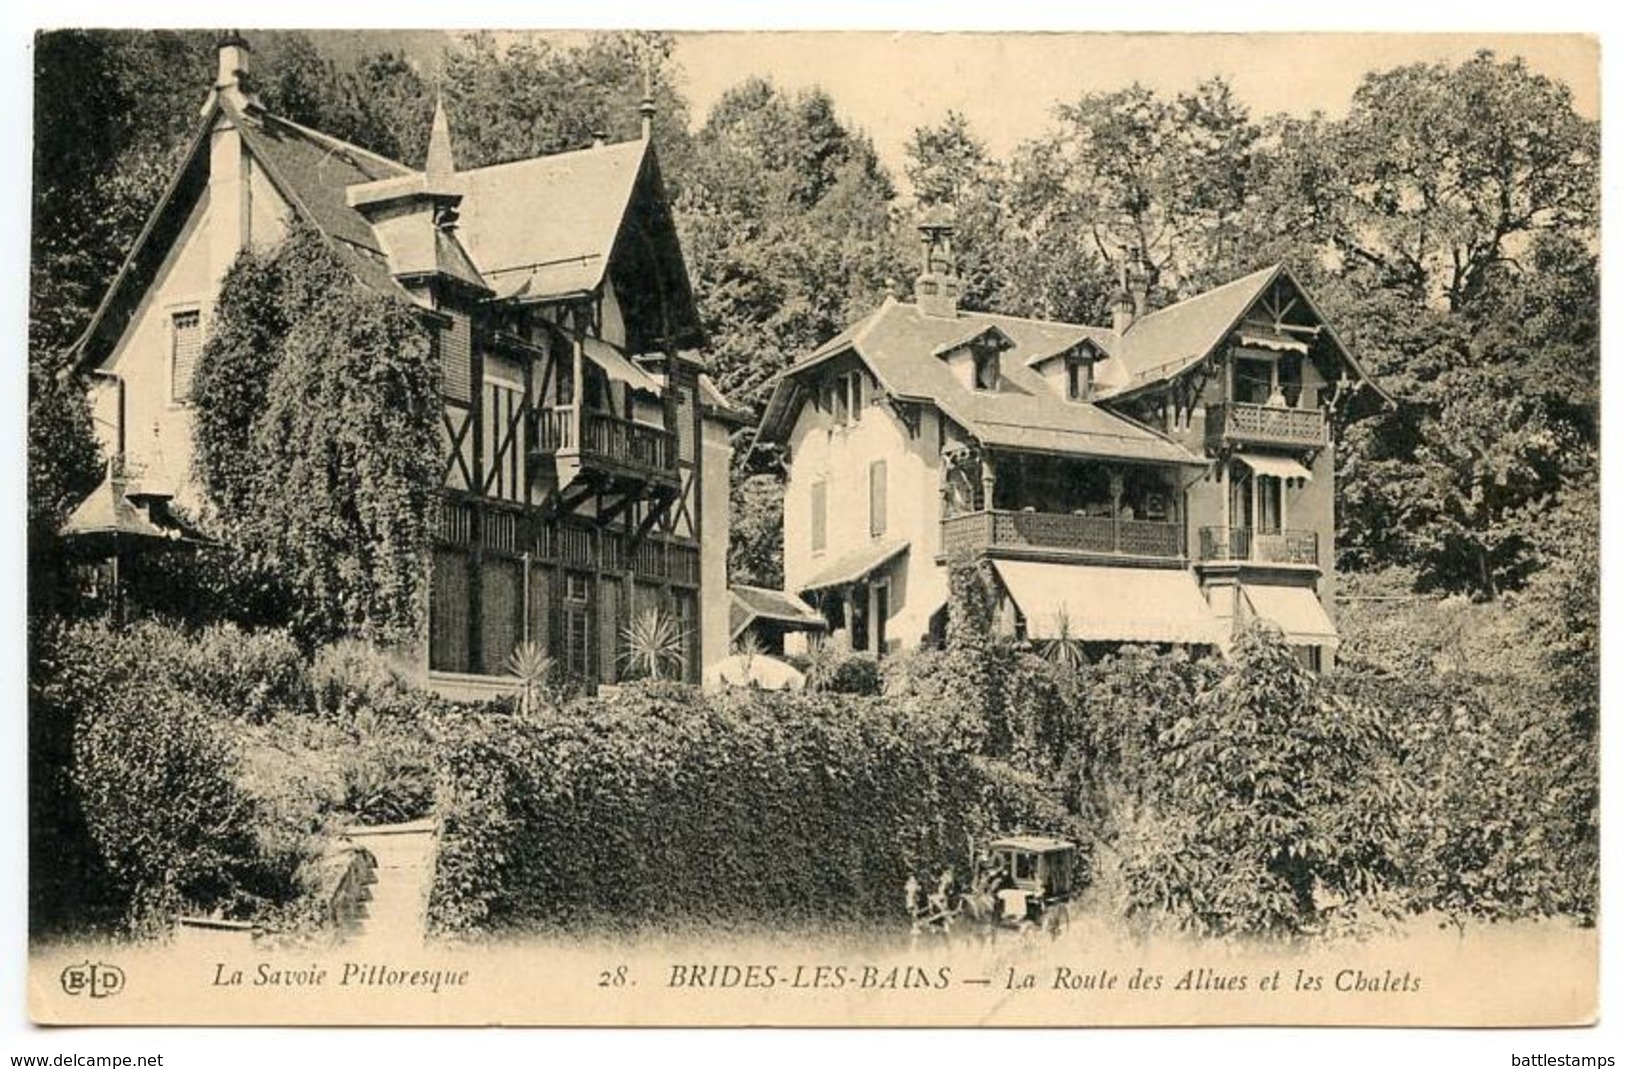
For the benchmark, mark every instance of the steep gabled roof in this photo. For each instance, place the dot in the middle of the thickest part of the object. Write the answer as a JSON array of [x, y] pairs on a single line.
[[146, 255], [545, 227], [315, 170], [1164, 344], [898, 341], [537, 229]]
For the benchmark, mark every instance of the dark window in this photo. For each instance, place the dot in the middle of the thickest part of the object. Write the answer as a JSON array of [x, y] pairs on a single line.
[[449, 616], [877, 498], [1291, 372], [1253, 380], [577, 626], [987, 368], [841, 400], [1269, 504], [186, 342], [820, 508], [501, 613], [1078, 375], [882, 611], [456, 359], [857, 395]]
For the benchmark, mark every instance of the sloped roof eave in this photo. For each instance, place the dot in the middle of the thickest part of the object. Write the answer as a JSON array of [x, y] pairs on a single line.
[[80, 349]]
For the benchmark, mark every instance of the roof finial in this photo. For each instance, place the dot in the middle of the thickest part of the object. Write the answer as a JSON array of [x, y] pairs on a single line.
[[646, 106], [440, 161]]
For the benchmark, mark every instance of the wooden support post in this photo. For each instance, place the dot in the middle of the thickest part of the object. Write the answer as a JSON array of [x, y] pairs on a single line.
[[1117, 508]]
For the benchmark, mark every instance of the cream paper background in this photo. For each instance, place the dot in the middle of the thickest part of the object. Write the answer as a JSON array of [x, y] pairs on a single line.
[[1513, 979]]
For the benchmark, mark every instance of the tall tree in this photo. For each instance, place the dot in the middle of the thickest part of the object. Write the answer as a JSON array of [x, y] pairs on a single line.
[[513, 99], [786, 219], [1447, 172], [949, 166]]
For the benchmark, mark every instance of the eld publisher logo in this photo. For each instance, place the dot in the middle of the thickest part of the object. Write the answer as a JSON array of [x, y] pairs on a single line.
[[93, 979]]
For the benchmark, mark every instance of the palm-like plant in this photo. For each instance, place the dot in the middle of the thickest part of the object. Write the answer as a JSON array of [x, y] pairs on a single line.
[[1064, 651], [655, 645], [534, 669]]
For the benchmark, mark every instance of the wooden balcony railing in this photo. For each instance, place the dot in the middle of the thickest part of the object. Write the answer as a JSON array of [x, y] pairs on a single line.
[[997, 530], [605, 437], [1246, 544], [1236, 421]]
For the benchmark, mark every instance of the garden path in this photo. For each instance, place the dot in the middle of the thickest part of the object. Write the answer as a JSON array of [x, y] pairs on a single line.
[[396, 914]]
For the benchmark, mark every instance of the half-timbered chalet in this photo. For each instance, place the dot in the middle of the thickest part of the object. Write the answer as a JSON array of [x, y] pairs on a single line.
[[1162, 480], [586, 451]]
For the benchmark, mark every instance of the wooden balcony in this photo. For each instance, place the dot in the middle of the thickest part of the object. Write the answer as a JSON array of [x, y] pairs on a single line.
[[1062, 535], [1244, 545], [600, 441], [1237, 423], [573, 543]]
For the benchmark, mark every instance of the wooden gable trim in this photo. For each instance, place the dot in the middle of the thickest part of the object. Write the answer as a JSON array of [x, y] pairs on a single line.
[[92, 346]]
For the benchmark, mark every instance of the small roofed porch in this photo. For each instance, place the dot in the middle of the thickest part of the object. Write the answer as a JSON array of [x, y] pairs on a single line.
[[764, 617], [857, 594], [123, 523], [1054, 507]]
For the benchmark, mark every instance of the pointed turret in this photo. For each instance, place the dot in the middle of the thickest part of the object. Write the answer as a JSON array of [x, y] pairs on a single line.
[[441, 162]]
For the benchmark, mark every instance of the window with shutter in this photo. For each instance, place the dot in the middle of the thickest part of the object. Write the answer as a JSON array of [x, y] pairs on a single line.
[[455, 348], [820, 503], [877, 498], [185, 345]]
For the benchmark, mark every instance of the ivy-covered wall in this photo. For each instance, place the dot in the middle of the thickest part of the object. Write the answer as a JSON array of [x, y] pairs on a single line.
[[316, 438]]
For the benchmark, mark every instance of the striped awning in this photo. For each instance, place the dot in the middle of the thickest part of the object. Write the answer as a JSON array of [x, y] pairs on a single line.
[[1276, 343], [1295, 610], [1101, 604], [1280, 467], [616, 366]]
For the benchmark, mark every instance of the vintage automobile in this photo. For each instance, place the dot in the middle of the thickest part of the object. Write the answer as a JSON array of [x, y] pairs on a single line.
[[1018, 883], [1030, 878]]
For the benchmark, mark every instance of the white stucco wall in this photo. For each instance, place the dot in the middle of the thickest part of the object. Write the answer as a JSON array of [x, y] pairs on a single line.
[[841, 457], [715, 457], [237, 204]]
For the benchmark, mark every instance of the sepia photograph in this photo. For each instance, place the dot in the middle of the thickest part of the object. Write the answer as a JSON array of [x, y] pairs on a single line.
[[642, 527]]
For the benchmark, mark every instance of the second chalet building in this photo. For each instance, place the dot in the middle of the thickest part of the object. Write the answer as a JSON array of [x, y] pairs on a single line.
[[586, 452], [1163, 480]]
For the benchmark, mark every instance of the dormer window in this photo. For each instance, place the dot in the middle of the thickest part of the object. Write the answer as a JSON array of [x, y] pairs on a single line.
[[987, 366], [1080, 377], [845, 393]]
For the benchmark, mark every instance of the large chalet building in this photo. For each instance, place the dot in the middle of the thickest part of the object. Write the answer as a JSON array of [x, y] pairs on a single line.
[[1163, 480], [586, 452]]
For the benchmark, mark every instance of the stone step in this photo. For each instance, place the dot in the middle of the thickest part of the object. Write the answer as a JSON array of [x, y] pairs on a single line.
[[396, 908]]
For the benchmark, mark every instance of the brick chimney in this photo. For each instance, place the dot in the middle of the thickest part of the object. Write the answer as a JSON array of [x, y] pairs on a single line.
[[937, 290], [232, 70], [1139, 279], [1133, 289]]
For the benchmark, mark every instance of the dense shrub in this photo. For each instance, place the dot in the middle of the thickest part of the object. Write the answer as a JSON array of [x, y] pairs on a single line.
[[1497, 829], [227, 778], [350, 675], [67, 884], [1272, 806], [663, 804], [156, 778], [318, 438]]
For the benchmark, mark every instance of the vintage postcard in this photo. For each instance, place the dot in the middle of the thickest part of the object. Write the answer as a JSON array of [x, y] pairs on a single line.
[[627, 528]]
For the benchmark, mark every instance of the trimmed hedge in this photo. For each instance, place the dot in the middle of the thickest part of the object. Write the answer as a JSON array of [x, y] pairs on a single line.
[[662, 804]]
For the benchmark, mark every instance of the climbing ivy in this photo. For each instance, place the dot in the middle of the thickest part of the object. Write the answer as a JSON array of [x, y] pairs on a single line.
[[317, 439]]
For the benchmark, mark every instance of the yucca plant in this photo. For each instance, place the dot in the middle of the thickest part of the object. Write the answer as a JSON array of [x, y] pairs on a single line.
[[1064, 651], [535, 670], [655, 642], [823, 662]]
